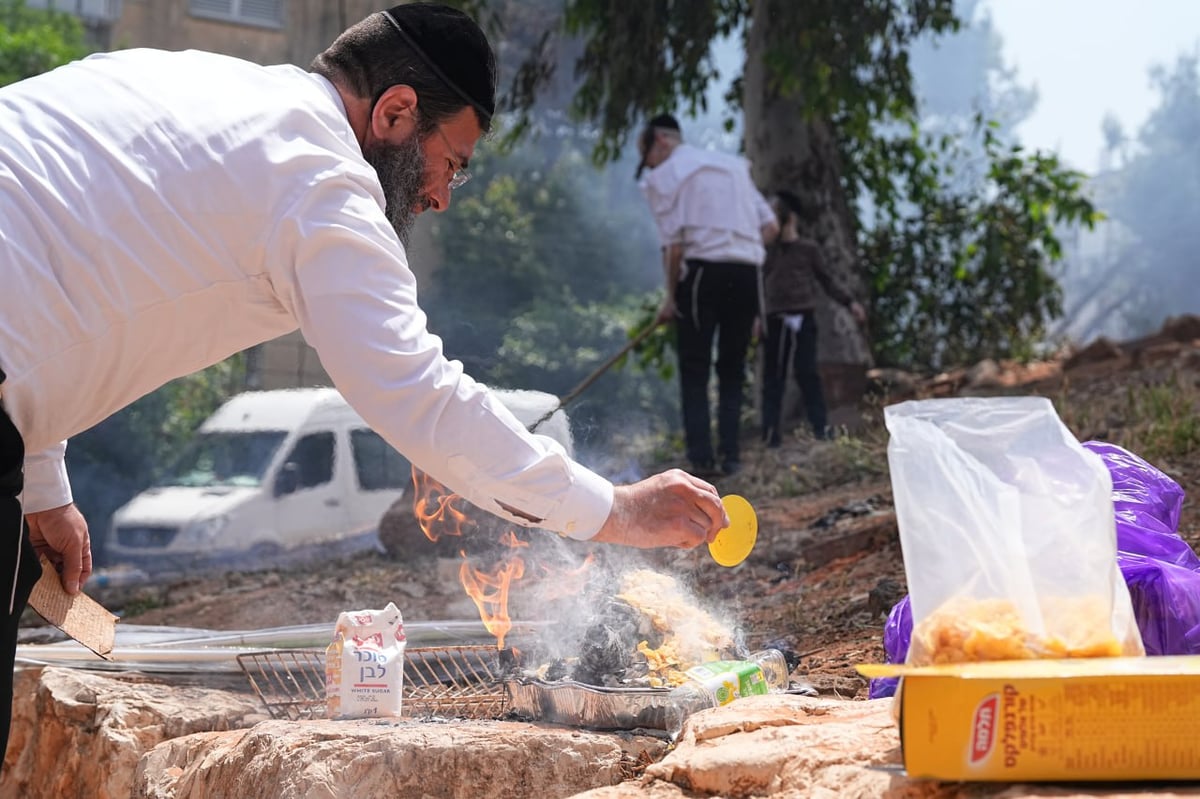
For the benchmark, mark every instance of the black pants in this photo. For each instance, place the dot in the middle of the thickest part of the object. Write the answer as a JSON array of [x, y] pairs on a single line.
[[714, 299], [784, 347], [19, 568]]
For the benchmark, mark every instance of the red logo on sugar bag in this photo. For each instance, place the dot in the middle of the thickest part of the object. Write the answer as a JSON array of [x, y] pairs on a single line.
[[373, 640], [362, 620], [983, 729]]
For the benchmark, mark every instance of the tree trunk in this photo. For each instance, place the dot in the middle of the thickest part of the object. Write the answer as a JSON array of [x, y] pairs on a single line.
[[790, 152]]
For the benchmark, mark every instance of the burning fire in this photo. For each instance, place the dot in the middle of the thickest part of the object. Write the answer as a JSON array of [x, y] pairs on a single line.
[[684, 634], [434, 508], [490, 593], [691, 634], [440, 512]]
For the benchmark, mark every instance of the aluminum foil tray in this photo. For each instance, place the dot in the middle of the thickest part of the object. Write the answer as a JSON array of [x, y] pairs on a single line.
[[592, 706]]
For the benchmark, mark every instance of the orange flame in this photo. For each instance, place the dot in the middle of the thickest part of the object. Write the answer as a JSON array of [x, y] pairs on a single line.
[[434, 508], [490, 593], [509, 539]]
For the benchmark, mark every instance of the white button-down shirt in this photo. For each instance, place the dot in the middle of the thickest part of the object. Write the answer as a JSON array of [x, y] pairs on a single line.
[[705, 201], [162, 211]]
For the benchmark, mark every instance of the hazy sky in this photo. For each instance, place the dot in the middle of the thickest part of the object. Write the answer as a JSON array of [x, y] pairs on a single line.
[[1088, 58]]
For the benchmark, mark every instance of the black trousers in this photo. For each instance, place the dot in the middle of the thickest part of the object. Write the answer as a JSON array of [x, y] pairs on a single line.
[[715, 299], [782, 348], [19, 568]]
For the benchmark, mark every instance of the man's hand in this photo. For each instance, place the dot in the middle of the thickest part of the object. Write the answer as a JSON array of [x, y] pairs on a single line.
[[672, 509], [667, 311], [61, 534]]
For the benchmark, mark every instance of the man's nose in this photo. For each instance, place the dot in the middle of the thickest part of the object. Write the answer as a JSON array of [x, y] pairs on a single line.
[[438, 198]]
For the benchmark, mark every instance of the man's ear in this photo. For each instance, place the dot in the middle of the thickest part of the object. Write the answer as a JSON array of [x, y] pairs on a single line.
[[395, 109]]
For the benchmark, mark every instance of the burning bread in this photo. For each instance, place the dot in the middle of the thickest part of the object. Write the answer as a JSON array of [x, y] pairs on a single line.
[[690, 635], [646, 636]]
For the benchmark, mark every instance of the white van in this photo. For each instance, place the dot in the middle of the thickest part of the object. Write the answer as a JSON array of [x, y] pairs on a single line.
[[275, 473]]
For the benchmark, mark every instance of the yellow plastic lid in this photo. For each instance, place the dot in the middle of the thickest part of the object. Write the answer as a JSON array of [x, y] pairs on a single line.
[[734, 543]]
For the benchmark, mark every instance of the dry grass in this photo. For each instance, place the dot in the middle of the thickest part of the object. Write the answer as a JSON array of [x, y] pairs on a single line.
[[1155, 416], [805, 465]]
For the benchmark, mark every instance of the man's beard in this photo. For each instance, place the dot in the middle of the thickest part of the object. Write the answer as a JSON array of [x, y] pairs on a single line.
[[401, 171]]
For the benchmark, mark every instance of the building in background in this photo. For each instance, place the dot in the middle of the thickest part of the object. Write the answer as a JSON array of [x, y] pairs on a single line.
[[266, 31], [263, 31]]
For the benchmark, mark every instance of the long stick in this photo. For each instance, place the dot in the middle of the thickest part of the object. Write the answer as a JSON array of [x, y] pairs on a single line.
[[587, 381]]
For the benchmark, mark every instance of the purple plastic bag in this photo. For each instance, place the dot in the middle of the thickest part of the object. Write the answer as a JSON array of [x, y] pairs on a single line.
[[1166, 604], [1160, 568], [1139, 487], [1164, 547], [897, 632], [1146, 504]]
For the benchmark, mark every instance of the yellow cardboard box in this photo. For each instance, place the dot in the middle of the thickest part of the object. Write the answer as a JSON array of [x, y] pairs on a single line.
[[1041, 720]]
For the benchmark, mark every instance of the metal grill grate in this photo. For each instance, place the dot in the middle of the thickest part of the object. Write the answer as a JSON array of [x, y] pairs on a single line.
[[457, 681]]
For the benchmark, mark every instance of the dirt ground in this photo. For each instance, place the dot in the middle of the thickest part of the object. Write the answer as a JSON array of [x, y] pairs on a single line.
[[827, 567]]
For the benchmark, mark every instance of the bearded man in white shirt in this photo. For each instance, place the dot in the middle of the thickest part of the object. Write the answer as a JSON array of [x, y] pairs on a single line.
[[162, 211], [713, 224]]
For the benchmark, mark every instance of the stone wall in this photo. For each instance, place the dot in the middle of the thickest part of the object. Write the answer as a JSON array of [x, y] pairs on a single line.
[[80, 734]]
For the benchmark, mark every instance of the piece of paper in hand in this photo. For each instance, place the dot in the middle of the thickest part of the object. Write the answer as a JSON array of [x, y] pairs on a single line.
[[79, 616]]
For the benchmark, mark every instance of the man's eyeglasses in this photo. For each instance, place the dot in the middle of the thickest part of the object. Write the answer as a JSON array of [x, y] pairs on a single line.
[[460, 173]]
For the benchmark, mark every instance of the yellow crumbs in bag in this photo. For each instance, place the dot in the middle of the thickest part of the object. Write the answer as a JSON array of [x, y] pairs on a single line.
[[966, 630]]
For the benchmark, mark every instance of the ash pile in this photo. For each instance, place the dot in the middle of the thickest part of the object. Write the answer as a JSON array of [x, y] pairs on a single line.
[[642, 629]]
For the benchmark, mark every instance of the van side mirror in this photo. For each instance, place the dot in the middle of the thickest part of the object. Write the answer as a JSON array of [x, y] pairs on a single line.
[[288, 479]]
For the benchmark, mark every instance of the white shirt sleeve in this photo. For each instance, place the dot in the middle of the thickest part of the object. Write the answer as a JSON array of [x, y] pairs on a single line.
[[46, 483], [345, 277]]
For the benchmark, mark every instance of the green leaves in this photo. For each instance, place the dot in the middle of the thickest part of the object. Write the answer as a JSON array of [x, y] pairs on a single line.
[[545, 260], [644, 56], [849, 60], [958, 230], [965, 273], [33, 41], [657, 352]]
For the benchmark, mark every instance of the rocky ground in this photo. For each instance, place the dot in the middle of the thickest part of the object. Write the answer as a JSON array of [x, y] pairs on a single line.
[[827, 566]]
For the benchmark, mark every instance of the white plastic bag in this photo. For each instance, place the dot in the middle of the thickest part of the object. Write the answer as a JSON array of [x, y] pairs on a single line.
[[364, 664], [1007, 528]]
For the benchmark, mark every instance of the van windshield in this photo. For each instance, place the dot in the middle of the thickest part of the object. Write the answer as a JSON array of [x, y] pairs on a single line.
[[225, 459]]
